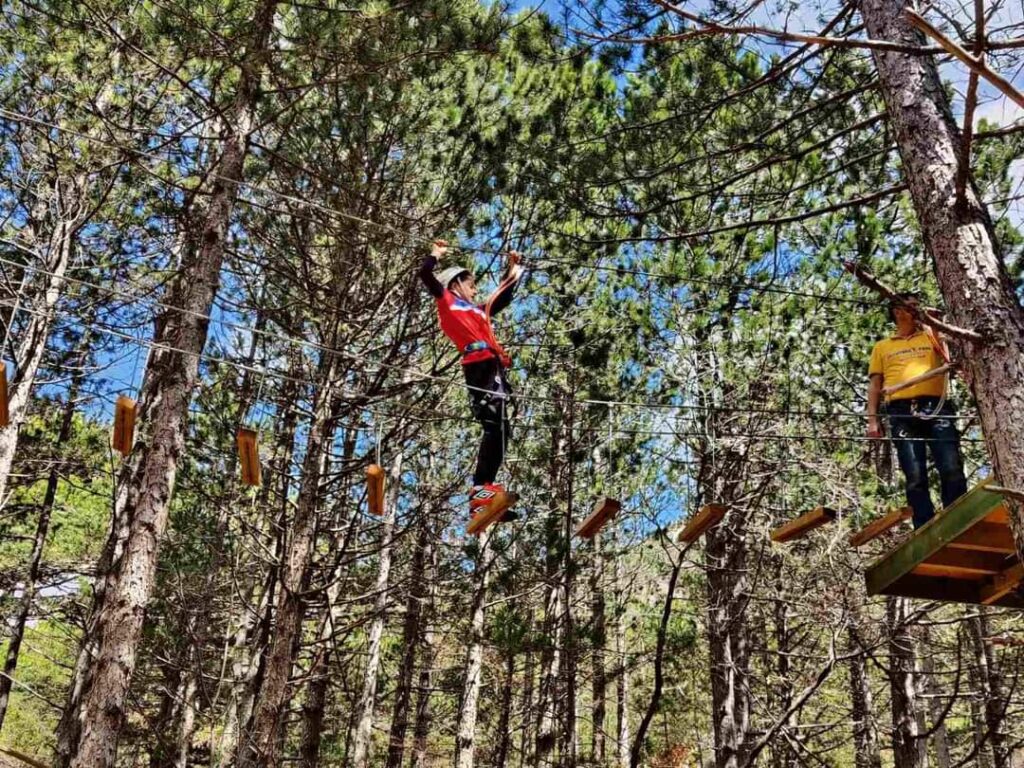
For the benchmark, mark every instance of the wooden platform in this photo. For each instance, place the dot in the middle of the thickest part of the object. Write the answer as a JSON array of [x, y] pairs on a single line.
[[965, 554]]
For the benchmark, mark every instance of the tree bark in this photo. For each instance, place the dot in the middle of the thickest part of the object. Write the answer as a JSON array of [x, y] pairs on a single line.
[[38, 544], [906, 741], [726, 554], [368, 699], [599, 705], [989, 682], [465, 738], [259, 746], [961, 239], [865, 730], [94, 715], [622, 679], [411, 630], [428, 641]]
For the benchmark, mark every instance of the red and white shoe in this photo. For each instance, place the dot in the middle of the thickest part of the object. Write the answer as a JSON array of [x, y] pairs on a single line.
[[482, 495]]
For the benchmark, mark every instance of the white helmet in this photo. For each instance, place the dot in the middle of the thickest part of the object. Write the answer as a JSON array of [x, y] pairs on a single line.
[[445, 276]]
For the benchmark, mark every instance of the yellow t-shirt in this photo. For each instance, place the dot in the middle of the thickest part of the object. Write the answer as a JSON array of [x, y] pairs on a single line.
[[901, 359]]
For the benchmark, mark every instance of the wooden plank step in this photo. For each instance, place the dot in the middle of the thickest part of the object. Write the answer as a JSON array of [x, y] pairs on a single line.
[[706, 516], [604, 510], [802, 525], [492, 512], [876, 528], [375, 489]]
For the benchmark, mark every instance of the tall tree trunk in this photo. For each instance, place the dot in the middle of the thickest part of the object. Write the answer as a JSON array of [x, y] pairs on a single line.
[[726, 556], [41, 291], [39, 542], [940, 738], [465, 736], [248, 629], [865, 730], [315, 703], [411, 630], [259, 745], [622, 678], [551, 654], [599, 705], [504, 734], [428, 656], [960, 237], [95, 711], [990, 687], [368, 699], [905, 732]]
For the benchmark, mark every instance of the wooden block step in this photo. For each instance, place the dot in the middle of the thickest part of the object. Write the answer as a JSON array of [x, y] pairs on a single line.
[[249, 456], [124, 425], [375, 489]]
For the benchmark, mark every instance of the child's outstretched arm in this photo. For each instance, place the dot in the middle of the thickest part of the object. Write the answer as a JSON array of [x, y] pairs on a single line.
[[426, 273], [502, 297]]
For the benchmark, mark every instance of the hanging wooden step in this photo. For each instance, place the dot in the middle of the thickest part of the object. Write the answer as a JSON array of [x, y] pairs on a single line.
[[124, 425], [965, 554], [492, 512], [5, 411], [707, 516], [803, 525], [604, 510], [249, 457], [876, 528], [375, 489]]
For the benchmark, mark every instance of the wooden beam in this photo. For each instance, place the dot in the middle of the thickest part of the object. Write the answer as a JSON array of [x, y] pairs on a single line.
[[604, 510], [124, 425], [975, 65], [876, 528], [999, 585], [706, 516], [375, 489], [938, 532], [962, 564], [986, 537], [802, 525], [492, 513], [249, 456]]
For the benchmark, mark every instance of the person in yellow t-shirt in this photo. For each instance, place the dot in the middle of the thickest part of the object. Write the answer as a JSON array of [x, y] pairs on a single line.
[[920, 417]]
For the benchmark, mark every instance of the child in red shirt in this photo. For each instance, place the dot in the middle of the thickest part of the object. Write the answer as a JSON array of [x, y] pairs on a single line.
[[484, 361]]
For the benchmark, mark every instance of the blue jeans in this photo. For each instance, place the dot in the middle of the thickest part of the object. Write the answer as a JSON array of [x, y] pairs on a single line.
[[913, 434]]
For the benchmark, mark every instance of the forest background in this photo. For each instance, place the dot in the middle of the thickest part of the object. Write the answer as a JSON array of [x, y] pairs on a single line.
[[217, 209]]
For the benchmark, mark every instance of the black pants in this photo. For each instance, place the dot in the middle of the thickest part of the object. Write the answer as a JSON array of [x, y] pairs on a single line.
[[488, 396]]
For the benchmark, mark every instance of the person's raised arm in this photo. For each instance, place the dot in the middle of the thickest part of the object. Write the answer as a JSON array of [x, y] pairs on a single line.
[[426, 273], [502, 297]]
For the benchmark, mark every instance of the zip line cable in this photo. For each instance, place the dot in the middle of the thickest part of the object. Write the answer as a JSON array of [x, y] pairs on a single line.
[[411, 236]]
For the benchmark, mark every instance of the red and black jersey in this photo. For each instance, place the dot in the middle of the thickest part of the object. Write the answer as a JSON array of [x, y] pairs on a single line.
[[469, 328], [469, 325]]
